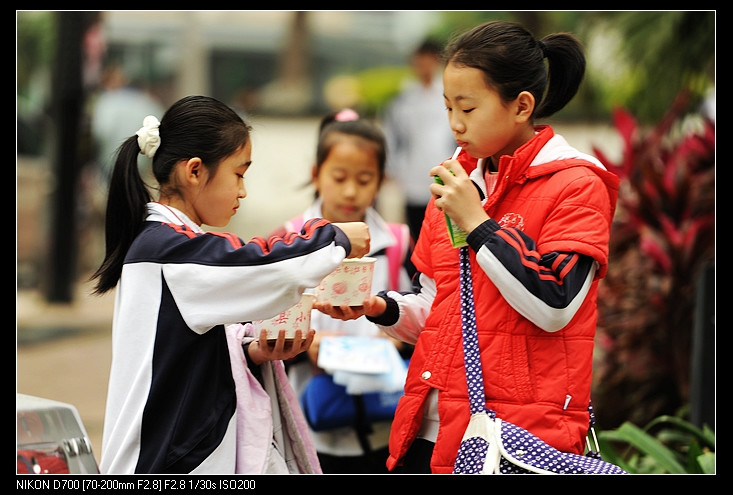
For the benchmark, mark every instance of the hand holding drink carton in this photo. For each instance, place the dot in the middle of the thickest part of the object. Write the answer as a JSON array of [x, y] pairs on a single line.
[[456, 233]]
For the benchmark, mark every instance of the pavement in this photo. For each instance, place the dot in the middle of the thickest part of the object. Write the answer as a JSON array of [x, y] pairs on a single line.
[[64, 351]]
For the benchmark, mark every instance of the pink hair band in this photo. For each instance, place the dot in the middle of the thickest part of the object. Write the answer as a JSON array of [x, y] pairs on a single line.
[[346, 115]]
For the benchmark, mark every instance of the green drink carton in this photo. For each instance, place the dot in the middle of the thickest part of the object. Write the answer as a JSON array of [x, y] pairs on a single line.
[[457, 234]]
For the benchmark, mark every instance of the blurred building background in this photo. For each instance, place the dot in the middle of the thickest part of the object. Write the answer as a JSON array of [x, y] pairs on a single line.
[[269, 61]]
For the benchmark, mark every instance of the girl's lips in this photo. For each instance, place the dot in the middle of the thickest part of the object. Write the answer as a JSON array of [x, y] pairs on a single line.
[[349, 210], [348, 213], [462, 144]]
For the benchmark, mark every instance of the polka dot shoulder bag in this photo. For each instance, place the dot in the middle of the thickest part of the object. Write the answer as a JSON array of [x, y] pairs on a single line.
[[493, 446]]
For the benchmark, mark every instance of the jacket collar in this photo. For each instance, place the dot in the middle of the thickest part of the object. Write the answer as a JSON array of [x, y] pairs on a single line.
[[158, 212], [543, 148]]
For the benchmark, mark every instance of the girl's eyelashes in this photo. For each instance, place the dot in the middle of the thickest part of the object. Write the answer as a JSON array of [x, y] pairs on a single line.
[[241, 171], [468, 110]]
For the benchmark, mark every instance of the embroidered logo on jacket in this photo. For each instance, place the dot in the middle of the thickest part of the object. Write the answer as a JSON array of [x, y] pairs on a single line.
[[514, 220]]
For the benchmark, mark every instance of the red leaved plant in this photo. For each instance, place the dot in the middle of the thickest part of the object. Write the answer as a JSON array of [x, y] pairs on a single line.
[[662, 237]]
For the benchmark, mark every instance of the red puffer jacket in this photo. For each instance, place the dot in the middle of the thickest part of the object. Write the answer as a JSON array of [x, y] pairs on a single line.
[[537, 379]]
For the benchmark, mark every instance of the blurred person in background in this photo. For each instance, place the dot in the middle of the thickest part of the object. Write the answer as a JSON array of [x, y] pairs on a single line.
[[119, 106], [417, 131]]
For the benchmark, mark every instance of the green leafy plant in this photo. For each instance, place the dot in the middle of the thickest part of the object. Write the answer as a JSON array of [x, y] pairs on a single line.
[[666, 445]]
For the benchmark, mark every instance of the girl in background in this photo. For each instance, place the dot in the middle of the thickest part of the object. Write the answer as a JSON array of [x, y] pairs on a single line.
[[347, 175]]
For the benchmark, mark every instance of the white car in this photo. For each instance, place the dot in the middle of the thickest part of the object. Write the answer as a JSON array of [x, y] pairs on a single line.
[[51, 438]]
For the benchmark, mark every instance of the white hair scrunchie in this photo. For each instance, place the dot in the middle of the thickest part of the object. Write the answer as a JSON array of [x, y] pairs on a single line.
[[148, 137]]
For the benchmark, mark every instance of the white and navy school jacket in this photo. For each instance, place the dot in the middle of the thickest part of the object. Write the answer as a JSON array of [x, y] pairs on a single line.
[[171, 398]]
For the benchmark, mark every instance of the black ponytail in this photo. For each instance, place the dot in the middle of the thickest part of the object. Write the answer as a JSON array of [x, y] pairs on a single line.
[[566, 68], [126, 211]]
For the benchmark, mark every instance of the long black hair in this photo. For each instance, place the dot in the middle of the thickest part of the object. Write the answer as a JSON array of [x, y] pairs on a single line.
[[194, 126]]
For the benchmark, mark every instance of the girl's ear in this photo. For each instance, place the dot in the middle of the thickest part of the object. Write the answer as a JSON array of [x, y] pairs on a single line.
[[194, 171], [525, 106]]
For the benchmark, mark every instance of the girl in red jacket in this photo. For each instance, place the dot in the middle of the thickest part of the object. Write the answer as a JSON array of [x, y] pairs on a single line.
[[537, 213]]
